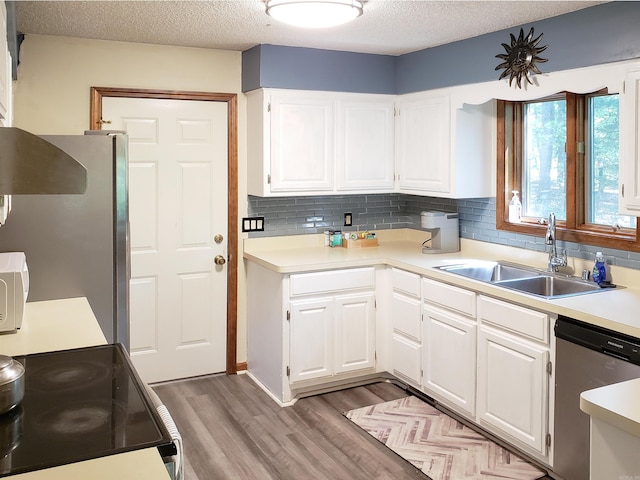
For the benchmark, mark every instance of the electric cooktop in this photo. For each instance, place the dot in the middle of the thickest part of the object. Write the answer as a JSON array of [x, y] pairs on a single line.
[[78, 405]]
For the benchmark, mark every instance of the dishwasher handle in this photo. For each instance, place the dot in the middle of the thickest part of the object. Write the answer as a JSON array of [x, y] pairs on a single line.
[[617, 355]]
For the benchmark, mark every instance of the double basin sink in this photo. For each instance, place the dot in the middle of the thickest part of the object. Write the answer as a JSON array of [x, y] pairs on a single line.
[[524, 279]]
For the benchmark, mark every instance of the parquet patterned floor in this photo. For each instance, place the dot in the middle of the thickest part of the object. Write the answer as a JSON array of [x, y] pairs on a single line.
[[437, 444]]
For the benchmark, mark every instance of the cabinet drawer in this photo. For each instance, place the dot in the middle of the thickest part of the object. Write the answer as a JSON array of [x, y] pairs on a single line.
[[448, 296], [406, 282], [406, 315], [334, 280], [406, 359], [517, 319]]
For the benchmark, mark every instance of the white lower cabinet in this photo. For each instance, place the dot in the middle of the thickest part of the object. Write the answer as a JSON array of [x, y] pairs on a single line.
[[515, 375], [310, 339], [355, 333], [486, 359], [330, 336], [449, 345], [310, 331], [449, 365], [406, 321], [512, 386], [489, 361]]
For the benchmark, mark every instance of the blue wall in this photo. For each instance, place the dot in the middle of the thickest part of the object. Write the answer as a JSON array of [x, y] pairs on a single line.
[[314, 69], [601, 34]]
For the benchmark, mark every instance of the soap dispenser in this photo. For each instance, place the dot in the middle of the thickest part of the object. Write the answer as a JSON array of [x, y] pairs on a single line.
[[515, 208]]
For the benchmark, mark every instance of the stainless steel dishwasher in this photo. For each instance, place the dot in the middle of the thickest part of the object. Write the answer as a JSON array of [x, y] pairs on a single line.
[[586, 357]]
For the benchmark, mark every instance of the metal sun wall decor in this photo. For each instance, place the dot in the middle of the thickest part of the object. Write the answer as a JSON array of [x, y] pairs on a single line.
[[521, 57]]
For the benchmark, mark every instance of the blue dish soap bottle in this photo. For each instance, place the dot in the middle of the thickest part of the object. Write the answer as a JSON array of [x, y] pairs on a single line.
[[599, 270]]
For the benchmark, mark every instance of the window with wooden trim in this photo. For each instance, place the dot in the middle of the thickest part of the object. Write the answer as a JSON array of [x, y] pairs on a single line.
[[561, 153]]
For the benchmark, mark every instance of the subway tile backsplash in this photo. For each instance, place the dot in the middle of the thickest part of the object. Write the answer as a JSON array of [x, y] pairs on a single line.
[[314, 214]]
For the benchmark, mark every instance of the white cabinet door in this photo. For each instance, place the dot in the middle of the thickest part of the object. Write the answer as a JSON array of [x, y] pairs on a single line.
[[424, 143], [406, 358], [365, 144], [355, 335], [311, 339], [629, 200], [302, 143], [449, 357], [513, 387]]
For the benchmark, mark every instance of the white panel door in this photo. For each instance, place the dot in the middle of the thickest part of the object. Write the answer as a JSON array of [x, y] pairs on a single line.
[[512, 387], [302, 144], [365, 145], [424, 145], [355, 332], [311, 338], [178, 203], [449, 365]]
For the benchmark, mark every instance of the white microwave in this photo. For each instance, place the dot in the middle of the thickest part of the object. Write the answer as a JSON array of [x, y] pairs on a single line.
[[14, 289]]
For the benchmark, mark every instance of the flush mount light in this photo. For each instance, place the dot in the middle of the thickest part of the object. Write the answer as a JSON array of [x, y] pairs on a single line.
[[314, 13]]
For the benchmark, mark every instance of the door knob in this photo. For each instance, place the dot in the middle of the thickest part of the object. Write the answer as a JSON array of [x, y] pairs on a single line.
[[218, 238], [219, 260]]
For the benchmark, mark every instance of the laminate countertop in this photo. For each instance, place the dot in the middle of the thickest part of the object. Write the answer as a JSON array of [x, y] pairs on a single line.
[[615, 309], [615, 404], [60, 325]]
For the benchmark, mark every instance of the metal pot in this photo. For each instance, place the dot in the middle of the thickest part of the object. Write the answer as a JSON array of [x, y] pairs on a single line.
[[11, 383]]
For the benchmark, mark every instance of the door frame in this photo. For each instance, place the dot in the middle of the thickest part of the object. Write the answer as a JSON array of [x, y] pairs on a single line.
[[231, 99]]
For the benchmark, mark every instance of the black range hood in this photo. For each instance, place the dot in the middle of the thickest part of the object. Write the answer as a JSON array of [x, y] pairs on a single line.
[[30, 165]]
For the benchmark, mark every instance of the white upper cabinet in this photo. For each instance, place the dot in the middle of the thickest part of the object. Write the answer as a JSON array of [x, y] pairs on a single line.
[[423, 143], [443, 150], [629, 200], [365, 143], [304, 142]]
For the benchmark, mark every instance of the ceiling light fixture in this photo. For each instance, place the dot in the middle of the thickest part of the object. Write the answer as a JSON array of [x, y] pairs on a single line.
[[314, 13]]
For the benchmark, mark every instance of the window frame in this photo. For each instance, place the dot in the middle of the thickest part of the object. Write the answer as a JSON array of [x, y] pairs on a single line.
[[509, 177]]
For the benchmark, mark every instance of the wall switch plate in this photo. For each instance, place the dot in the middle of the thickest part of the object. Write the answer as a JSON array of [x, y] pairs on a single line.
[[348, 220], [253, 224]]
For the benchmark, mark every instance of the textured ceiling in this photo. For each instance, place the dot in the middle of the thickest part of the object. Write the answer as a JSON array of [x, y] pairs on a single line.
[[392, 27]]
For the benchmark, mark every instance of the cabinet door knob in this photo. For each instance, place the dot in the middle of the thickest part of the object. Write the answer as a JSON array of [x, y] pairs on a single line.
[[219, 260]]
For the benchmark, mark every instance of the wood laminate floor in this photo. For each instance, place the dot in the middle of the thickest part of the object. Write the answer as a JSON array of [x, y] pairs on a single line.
[[232, 430]]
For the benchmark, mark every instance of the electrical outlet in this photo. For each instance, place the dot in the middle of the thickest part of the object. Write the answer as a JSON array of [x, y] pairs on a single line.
[[348, 219], [253, 224]]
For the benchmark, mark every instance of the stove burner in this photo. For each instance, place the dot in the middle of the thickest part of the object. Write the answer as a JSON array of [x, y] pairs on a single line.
[[82, 418], [68, 376]]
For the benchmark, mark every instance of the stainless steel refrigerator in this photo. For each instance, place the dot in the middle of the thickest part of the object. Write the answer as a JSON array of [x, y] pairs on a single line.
[[78, 245]]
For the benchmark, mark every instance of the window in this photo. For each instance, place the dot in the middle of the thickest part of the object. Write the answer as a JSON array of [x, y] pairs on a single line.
[[561, 154]]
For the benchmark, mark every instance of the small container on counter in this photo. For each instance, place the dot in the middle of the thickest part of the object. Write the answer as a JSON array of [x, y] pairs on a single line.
[[336, 239]]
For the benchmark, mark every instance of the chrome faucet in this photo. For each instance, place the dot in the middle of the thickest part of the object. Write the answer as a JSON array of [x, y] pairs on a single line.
[[555, 261]]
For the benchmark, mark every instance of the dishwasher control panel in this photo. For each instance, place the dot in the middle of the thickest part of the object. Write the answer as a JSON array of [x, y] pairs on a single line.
[[599, 339]]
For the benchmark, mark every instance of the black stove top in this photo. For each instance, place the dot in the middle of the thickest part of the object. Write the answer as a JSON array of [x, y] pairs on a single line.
[[78, 404]]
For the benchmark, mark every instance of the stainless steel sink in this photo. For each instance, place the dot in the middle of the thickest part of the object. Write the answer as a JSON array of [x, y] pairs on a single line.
[[551, 286], [490, 271], [523, 278]]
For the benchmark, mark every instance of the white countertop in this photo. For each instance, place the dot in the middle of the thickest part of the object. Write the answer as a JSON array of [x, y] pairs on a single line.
[[615, 404], [615, 309], [60, 325], [54, 325]]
